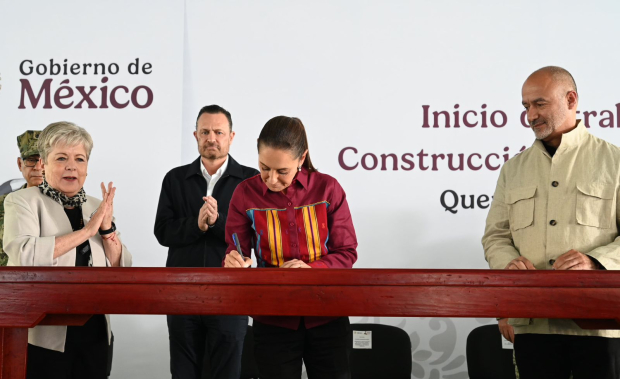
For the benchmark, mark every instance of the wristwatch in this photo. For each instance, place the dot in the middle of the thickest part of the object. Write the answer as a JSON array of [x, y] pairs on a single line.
[[109, 231]]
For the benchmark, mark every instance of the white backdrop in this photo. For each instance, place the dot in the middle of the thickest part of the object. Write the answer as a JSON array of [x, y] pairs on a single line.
[[132, 147], [358, 74]]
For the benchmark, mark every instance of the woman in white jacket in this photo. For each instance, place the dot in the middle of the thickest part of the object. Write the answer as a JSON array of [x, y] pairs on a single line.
[[57, 224]]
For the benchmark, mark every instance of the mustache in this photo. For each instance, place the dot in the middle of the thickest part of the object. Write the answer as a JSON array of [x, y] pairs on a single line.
[[537, 122]]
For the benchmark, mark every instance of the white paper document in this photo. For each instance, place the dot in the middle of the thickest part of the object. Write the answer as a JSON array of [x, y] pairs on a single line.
[[362, 339]]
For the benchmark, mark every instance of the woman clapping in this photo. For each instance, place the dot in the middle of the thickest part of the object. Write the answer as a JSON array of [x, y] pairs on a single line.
[[57, 224]]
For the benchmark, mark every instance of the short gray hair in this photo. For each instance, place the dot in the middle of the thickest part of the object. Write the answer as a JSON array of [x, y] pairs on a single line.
[[63, 133]]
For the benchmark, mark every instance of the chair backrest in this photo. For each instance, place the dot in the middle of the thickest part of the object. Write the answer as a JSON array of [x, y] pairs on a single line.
[[389, 357], [11, 185], [486, 359]]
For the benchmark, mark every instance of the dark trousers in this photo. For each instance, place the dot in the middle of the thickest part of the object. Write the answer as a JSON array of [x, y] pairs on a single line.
[[85, 355], [279, 351], [220, 336], [550, 356]]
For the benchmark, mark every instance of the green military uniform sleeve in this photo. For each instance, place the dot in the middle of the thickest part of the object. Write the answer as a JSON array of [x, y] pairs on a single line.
[[4, 259]]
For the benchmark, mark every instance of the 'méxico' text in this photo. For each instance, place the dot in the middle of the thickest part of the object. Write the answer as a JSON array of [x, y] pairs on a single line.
[[63, 94]]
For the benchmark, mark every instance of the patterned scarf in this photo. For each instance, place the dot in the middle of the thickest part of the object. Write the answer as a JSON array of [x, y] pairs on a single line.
[[61, 198]]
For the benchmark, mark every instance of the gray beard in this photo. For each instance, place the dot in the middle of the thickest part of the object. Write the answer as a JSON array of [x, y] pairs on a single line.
[[544, 133]]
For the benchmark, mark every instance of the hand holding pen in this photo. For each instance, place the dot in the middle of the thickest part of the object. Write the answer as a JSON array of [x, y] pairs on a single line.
[[236, 258]]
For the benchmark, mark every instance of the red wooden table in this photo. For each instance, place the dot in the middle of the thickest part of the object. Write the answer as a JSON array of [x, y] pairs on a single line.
[[68, 296]]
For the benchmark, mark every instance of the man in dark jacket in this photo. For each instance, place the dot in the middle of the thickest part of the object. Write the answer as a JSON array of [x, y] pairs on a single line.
[[190, 221]]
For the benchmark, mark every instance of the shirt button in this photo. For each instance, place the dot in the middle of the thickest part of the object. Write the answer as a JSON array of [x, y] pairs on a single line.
[[289, 204], [294, 245], [553, 223], [554, 183]]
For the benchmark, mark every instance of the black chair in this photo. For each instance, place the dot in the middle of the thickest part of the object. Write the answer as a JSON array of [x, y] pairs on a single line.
[[249, 370], [390, 356], [11, 185], [486, 359]]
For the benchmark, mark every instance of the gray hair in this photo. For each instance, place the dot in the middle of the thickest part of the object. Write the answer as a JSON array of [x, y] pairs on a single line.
[[63, 133]]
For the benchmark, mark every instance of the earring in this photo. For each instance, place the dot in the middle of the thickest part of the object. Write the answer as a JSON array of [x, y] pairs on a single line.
[[299, 168]]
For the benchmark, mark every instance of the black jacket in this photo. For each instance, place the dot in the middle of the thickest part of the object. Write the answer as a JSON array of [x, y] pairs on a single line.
[[176, 222]]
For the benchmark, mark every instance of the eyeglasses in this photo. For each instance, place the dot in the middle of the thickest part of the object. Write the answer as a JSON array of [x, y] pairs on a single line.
[[31, 161]]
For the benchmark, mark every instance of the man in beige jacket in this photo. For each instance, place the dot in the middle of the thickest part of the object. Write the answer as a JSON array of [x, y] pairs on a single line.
[[556, 208]]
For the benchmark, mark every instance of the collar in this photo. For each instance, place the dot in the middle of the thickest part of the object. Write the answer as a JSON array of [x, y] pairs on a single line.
[[301, 178], [233, 168], [570, 140], [219, 171]]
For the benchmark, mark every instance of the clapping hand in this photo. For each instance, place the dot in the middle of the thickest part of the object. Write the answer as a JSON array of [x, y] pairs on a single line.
[[108, 202], [208, 213], [211, 205], [102, 218]]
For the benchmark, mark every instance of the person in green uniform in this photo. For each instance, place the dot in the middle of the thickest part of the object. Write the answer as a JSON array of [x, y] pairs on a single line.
[[29, 163]]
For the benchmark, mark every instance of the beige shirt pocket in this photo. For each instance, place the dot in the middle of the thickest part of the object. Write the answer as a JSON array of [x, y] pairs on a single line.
[[595, 204], [521, 207]]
